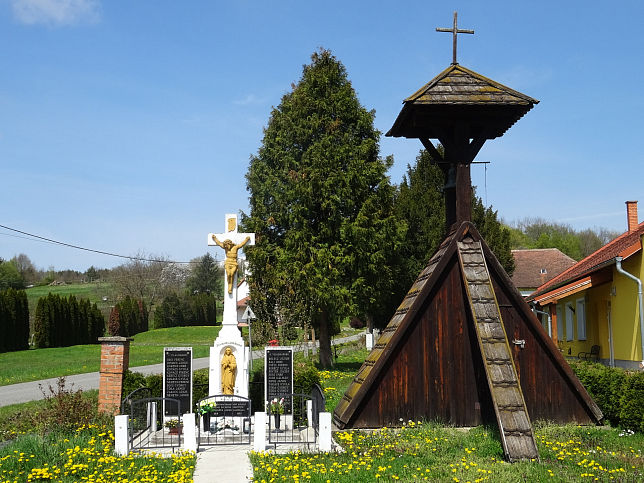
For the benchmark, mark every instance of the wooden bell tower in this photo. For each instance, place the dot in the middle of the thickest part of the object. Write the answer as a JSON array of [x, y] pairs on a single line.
[[464, 347]]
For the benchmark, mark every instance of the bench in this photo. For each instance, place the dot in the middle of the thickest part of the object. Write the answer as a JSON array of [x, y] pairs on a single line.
[[593, 354]]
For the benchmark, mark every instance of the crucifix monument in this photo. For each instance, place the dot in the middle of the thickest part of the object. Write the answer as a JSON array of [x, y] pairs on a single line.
[[229, 357]]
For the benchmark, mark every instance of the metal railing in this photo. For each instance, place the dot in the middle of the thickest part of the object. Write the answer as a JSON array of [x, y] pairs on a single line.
[[292, 423], [146, 427], [223, 419]]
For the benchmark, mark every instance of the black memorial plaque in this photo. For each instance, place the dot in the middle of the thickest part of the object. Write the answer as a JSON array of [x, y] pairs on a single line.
[[231, 408], [177, 383], [279, 374]]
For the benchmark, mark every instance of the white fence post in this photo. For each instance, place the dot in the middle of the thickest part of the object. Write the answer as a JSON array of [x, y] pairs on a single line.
[[369, 341], [259, 441], [325, 432], [189, 432], [309, 412], [121, 434], [152, 417]]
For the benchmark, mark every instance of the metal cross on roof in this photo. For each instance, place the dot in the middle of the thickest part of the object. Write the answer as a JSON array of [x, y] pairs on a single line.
[[455, 30]]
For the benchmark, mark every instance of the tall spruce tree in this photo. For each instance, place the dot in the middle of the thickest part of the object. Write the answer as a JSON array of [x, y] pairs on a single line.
[[317, 187]]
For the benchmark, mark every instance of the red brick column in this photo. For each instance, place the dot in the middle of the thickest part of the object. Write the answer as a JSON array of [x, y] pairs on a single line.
[[115, 358]]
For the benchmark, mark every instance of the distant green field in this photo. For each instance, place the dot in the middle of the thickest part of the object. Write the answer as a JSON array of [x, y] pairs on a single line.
[[146, 348], [92, 291]]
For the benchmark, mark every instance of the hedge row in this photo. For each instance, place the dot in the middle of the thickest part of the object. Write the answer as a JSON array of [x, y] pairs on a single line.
[[62, 322], [14, 320], [128, 317], [618, 393], [179, 311]]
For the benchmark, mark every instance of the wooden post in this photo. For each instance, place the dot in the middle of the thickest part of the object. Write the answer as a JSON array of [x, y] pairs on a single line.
[[553, 318], [463, 193]]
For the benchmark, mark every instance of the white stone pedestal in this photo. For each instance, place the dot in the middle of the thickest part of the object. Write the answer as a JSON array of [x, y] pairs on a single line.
[[229, 336]]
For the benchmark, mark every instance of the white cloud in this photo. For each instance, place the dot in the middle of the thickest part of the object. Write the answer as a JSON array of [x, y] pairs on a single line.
[[56, 12], [249, 99]]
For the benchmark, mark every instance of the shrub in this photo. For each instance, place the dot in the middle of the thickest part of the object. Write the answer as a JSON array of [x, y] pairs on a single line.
[[62, 322], [135, 380], [618, 393], [356, 323], [289, 332], [14, 320], [186, 310], [172, 312], [199, 385], [128, 317], [66, 409], [631, 412], [305, 376]]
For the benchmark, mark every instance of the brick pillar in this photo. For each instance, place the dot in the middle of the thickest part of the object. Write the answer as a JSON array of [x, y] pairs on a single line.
[[115, 358]]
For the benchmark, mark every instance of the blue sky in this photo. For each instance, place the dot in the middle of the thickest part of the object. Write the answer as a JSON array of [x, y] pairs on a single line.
[[127, 126]]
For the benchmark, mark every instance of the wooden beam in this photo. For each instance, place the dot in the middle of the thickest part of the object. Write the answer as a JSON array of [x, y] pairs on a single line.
[[429, 146]]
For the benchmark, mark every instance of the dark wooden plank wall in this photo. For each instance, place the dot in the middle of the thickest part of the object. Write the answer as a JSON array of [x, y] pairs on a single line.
[[435, 374], [547, 391]]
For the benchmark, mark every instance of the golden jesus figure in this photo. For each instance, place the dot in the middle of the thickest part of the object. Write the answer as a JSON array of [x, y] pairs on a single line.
[[230, 264], [228, 372]]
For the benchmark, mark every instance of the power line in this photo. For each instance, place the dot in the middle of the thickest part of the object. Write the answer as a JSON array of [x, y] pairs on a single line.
[[49, 240]]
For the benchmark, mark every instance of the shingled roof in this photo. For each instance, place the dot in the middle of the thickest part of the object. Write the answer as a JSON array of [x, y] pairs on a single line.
[[624, 246], [491, 107], [534, 267]]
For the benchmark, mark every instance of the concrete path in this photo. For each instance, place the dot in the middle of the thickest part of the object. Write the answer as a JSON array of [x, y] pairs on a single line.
[[223, 463], [231, 464], [30, 391]]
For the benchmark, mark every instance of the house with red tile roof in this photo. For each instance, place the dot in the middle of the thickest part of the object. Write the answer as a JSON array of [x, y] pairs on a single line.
[[597, 301], [535, 267]]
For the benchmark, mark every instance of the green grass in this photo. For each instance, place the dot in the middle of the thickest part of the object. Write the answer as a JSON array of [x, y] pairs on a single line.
[[428, 451], [93, 291], [432, 452], [86, 454], [146, 348], [336, 381]]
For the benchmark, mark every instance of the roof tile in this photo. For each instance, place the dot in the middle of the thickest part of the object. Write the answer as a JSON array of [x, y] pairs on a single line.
[[618, 247]]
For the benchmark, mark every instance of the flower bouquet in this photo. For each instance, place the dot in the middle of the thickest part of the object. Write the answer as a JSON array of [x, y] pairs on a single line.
[[276, 407], [207, 408], [204, 410]]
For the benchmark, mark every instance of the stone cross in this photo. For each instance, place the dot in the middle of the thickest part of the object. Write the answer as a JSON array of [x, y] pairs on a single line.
[[454, 30], [231, 241]]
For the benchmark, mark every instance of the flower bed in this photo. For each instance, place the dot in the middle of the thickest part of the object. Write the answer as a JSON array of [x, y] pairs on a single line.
[[87, 455], [420, 452]]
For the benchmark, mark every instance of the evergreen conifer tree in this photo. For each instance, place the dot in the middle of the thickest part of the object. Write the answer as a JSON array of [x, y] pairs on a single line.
[[315, 187]]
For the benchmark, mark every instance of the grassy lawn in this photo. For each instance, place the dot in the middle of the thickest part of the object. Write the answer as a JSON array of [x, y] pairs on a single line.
[[431, 452], [146, 348], [86, 455], [93, 291], [422, 451]]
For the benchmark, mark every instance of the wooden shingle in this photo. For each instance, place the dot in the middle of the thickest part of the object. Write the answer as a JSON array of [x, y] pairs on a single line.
[[461, 97]]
